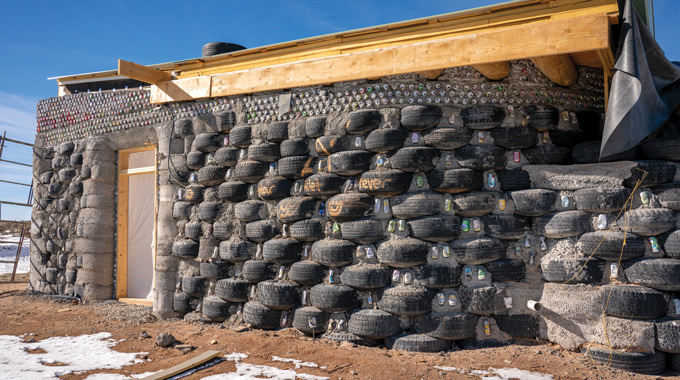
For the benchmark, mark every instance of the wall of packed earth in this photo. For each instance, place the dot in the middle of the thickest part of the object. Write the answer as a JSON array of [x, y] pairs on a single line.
[[407, 210]]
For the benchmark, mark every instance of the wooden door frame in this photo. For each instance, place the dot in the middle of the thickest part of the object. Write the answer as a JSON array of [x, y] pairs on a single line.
[[124, 174]]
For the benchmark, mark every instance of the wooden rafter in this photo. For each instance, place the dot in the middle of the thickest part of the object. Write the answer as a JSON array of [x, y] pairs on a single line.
[[142, 73], [494, 71], [558, 68]]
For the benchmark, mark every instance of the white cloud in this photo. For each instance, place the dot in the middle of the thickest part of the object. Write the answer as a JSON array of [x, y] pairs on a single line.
[[18, 117]]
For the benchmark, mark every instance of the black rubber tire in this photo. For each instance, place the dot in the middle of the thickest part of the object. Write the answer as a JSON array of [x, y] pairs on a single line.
[[414, 205], [455, 180], [75, 188], [63, 206], [601, 200], [366, 276], [193, 286], [482, 117], [673, 361], [307, 273], [548, 155], [448, 326], [558, 225], [327, 145], [211, 175], [214, 270], [373, 324], [257, 271], [262, 230], [658, 172], [290, 210], [215, 48], [543, 117], [296, 167], [648, 221], [439, 276], [240, 136], [387, 182], [261, 317], [506, 270], [569, 139], [340, 336], [362, 121], [349, 163], [265, 152], [250, 211], [403, 253], [181, 210], [303, 316], [610, 248], [333, 298], [76, 160], [406, 300], [208, 142], [513, 179], [420, 117], [237, 250], [435, 228], [250, 171], [225, 120], [505, 226], [475, 203], [525, 326], [226, 156], [534, 202], [385, 140], [477, 300], [672, 244], [295, 147], [323, 185], [668, 195], [349, 206], [278, 295], [233, 191], [638, 362], [363, 231], [514, 137], [447, 138], [184, 303], [209, 211], [417, 343], [185, 248], [277, 131], [415, 159], [66, 175], [572, 270], [667, 149], [281, 251], [660, 274], [315, 126], [482, 157], [216, 308], [232, 289], [195, 160], [194, 194], [308, 230], [478, 250], [274, 188], [634, 302], [668, 336], [589, 153], [333, 253]]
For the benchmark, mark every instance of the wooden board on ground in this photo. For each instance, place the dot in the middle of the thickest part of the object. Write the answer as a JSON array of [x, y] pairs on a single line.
[[182, 367]]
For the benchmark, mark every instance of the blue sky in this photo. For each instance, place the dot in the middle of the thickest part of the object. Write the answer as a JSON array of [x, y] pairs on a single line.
[[41, 39]]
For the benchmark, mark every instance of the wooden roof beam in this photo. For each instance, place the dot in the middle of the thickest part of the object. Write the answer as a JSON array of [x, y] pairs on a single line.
[[142, 73], [558, 68], [494, 71]]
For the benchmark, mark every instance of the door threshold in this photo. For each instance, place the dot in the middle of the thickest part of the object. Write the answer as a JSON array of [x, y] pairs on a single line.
[[137, 301]]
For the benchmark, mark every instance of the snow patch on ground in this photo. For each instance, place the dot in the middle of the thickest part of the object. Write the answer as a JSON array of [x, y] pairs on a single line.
[[246, 371], [298, 363], [499, 373], [8, 251], [236, 357], [63, 355], [116, 376]]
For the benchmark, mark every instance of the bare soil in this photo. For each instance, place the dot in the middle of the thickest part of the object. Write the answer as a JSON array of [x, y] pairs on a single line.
[[23, 313]]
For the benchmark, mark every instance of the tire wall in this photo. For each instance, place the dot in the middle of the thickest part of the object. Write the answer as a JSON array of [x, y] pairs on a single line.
[[430, 200]]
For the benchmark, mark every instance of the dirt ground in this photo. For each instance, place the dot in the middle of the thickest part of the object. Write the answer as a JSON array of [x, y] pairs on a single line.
[[24, 313]]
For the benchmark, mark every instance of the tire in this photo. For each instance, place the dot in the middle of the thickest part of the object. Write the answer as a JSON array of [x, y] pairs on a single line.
[[233, 191], [543, 117], [660, 274], [226, 156], [349, 206], [295, 147], [638, 362], [477, 300], [439, 276], [209, 211], [534, 202], [315, 126], [506, 270], [455, 180], [519, 325], [343, 337], [634, 302], [514, 137], [435, 228], [505, 226], [548, 155], [54, 189], [601, 200], [482, 157], [184, 303], [277, 131], [387, 182], [567, 270], [333, 253], [447, 138], [363, 231], [349, 163], [362, 121], [385, 140], [306, 273], [76, 160], [262, 230], [420, 117], [211, 175], [237, 250], [281, 251], [308, 230], [668, 195], [194, 194], [366, 276], [296, 167], [589, 153], [513, 179], [661, 149], [306, 317], [240, 136], [327, 145], [63, 206], [482, 117], [250, 171], [478, 250], [415, 159], [414, 205], [278, 295], [232, 289], [193, 286], [214, 48], [216, 308], [569, 139], [475, 203], [417, 343], [323, 185], [293, 209], [195, 160], [66, 175], [563, 224], [257, 271], [673, 362], [672, 244], [406, 300], [208, 142], [610, 247], [668, 336], [181, 210], [250, 211], [266, 152], [334, 298], [214, 270], [222, 230], [448, 326], [185, 249], [648, 221], [261, 317], [658, 172], [373, 324], [403, 253], [225, 120]]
